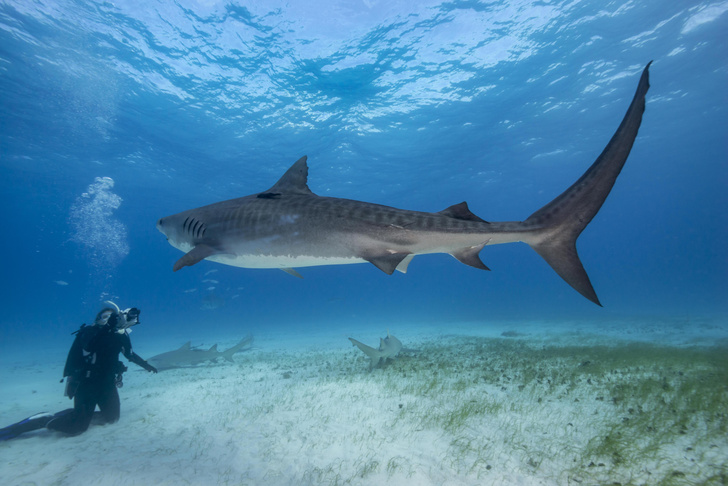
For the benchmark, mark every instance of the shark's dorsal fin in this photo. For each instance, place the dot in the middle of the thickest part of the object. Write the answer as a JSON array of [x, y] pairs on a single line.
[[294, 181], [461, 211], [213, 347], [186, 346]]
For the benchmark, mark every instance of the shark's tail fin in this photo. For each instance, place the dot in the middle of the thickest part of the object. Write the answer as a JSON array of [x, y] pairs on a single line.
[[245, 342], [374, 354], [562, 220]]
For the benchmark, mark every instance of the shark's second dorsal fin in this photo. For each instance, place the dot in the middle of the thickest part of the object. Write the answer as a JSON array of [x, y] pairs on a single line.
[[294, 181], [461, 211]]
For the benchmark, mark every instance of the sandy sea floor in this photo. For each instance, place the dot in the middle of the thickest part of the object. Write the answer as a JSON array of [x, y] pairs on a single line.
[[640, 402]]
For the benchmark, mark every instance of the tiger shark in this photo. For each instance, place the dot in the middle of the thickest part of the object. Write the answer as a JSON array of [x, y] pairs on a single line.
[[288, 226], [187, 356]]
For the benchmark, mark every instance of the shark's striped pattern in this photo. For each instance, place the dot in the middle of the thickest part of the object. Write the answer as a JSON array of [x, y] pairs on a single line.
[[289, 226]]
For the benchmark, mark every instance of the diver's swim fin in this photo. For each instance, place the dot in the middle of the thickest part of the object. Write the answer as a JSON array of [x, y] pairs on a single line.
[[34, 422]]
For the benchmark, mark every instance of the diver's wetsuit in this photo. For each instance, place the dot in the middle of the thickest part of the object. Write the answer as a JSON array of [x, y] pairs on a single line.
[[92, 367]]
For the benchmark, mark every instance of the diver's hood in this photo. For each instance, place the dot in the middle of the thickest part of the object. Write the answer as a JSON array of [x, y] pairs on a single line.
[[102, 318]]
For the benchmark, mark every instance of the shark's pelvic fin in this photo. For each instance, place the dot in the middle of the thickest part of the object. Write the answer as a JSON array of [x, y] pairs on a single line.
[[195, 255], [292, 271], [388, 262], [564, 218], [402, 267]]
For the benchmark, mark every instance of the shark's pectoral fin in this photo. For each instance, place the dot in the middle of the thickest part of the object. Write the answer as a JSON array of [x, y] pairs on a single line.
[[471, 256], [291, 271], [200, 252], [388, 261]]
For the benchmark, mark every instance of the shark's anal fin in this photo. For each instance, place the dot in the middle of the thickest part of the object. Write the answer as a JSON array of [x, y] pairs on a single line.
[[388, 262], [471, 256], [292, 271], [198, 253]]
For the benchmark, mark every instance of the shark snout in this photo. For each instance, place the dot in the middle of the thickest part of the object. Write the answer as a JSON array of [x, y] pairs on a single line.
[[161, 228]]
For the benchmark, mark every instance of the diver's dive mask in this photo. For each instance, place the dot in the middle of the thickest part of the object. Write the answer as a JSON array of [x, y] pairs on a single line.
[[128, 318]]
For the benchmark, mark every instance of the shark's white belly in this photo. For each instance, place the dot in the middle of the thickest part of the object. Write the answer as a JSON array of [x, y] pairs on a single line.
[[252, 260], [270, 261]]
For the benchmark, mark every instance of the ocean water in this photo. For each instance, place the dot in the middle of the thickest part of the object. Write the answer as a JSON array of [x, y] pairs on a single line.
[[114, 114]]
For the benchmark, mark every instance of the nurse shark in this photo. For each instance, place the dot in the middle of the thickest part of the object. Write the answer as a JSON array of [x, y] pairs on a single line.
[[288, 226]]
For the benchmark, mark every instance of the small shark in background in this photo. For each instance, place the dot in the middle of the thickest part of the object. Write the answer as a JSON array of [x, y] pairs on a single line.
[[389, 348], [187, 356], [289, 226]]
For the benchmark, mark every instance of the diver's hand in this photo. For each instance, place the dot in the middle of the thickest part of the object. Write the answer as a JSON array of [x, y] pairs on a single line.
[[149, 367]]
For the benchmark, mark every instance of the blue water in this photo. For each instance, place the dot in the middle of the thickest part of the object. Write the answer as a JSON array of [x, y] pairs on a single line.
[[417, 105]]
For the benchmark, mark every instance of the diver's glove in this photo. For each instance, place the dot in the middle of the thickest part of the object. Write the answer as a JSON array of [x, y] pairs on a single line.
[[148, 367], [72, 383], [138, 360]]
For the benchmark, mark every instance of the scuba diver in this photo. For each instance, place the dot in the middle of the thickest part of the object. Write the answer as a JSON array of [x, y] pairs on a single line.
[[93, 373]]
